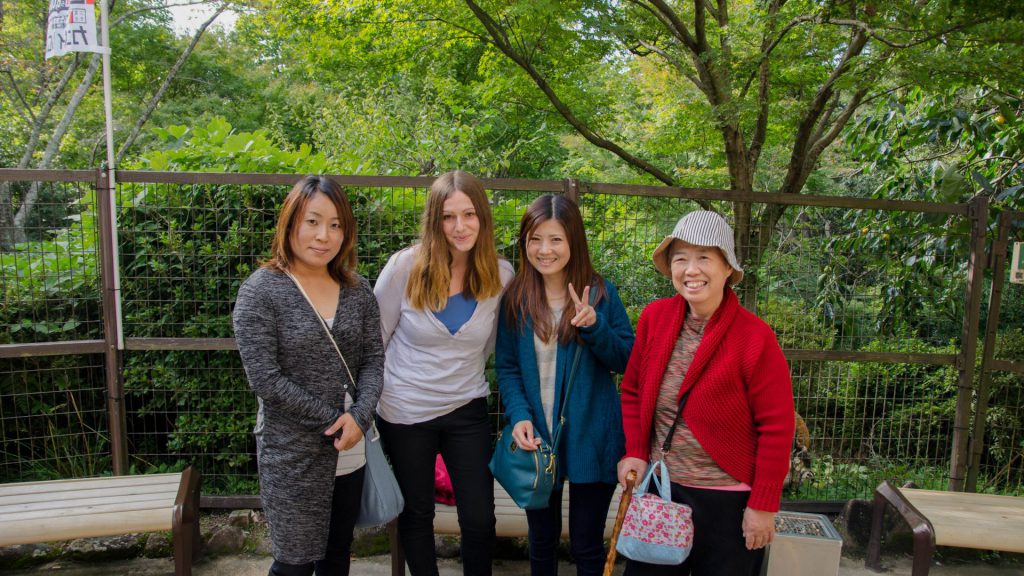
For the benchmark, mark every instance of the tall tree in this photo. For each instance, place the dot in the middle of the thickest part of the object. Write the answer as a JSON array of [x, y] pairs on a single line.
[[784, 74], [35, 97]]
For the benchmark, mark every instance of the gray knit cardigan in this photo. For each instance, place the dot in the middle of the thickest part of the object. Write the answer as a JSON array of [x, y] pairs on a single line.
[[300, 383]]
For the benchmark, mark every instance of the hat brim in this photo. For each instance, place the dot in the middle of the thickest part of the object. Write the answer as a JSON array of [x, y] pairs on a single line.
[[661, 262]]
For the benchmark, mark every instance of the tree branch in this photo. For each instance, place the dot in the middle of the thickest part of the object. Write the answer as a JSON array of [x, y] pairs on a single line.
[[674, 62], [137, 11], [44, 113], [763, 96], [700, 26], [802, 143], [29, 201], [27, 114], [500, 41], [675, 25], [171, 74]]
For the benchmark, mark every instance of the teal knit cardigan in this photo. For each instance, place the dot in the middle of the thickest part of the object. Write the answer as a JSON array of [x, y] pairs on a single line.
[[592, 439]]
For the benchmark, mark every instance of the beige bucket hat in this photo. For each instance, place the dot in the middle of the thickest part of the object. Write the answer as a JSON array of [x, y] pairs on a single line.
[[701, 228]]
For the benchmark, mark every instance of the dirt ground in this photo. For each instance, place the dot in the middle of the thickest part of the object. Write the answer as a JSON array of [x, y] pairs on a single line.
[[251, 565]]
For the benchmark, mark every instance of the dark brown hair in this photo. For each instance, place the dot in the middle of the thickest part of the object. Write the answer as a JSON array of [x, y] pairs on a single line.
[[342, 267], [526, 296]]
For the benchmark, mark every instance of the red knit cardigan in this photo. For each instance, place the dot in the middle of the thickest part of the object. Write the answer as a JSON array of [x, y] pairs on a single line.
[[741, 406]]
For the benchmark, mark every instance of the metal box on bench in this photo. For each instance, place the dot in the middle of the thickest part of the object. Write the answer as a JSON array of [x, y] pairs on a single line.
[[804, 545]]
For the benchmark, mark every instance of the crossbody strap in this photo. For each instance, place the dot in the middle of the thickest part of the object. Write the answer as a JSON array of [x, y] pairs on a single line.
[[327, 330], [667, 444], [568, 390]]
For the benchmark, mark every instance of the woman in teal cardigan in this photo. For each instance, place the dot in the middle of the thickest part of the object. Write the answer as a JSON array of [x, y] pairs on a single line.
[[545, 318]]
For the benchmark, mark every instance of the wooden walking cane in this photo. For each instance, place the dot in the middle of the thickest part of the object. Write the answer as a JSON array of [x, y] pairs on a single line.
[[627, 495]]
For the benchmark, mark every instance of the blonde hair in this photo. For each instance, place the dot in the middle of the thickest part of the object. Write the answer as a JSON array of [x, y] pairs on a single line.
[[431, 275]]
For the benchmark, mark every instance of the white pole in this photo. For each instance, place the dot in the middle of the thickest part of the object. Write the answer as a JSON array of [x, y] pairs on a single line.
[[108, 110]]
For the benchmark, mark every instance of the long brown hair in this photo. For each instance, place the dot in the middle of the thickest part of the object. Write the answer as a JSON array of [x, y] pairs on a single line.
[[526, 296], [431, 275], [342, 267]]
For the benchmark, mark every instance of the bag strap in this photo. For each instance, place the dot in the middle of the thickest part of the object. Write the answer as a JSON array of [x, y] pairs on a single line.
[[327, 330], [667, 444], [568, 390]]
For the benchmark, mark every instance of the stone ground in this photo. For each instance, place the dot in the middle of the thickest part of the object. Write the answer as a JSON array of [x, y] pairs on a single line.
[[253, 565], [236, 544]]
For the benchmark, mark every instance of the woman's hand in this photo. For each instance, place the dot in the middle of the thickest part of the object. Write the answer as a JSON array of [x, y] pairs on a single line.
[[585, 314], [350, 432], [522, 433], [758, 528], [627, 464]]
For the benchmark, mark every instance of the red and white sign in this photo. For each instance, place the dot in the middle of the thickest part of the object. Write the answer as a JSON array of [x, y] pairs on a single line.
[[71, 27]]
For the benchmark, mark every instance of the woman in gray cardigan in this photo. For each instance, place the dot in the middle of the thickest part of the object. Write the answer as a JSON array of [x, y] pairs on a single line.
[[312, 416]]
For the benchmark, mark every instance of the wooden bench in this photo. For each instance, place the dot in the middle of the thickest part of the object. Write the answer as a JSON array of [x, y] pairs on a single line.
[[33, 512], [965, 520], [511, 522]]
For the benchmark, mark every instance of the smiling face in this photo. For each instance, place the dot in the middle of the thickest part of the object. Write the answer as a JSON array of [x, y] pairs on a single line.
[[316, 235], [699, 274], [460, 222], [547, 250]]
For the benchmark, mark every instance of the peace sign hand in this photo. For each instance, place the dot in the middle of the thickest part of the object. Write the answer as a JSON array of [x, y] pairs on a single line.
[[585, 314]]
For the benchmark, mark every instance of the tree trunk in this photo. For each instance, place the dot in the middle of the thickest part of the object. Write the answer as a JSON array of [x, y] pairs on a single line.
[[7, 228], [21, 217]]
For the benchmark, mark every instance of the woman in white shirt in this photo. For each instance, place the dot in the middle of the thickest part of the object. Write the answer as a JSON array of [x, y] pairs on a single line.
[[438, 302]]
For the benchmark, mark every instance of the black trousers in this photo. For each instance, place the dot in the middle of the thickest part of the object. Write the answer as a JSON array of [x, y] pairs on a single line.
[[344, 509], [588, 513], [719, 548], [463, 438]]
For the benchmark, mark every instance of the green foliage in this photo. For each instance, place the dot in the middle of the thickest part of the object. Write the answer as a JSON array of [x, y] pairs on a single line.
[[841, 479], [1004, 422], [216, 147], [892, 411]]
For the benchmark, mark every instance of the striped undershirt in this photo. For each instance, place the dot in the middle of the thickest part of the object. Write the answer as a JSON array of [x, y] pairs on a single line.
[[688, 463]]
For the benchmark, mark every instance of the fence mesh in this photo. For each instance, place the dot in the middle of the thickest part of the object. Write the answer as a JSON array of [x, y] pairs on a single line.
[[185, 249]]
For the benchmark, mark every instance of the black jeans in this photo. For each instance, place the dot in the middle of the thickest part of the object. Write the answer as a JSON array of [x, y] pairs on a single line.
[[588, 512], [344, 509], [463, 437], [719, 548]]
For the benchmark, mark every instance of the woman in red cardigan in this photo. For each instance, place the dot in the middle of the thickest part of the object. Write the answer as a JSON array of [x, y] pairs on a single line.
[[729, 453]]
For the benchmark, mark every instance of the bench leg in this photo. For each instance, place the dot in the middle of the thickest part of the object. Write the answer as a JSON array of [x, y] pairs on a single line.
[[924, 533], [873, 560], [185, 522], [397, 553]]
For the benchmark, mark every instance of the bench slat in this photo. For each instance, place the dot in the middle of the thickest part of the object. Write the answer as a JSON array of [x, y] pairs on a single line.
[[84, 511], [57, 486], [139, 501], [969, 520], [93, 525], [71, 495]]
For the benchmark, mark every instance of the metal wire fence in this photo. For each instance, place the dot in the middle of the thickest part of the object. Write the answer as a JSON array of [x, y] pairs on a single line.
[[879, 398]]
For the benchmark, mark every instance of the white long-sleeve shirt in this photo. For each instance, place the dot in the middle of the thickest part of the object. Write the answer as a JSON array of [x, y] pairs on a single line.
[[428, 371]]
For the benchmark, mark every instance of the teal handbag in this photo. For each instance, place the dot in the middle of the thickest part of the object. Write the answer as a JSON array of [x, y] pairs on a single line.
[[529, 477]]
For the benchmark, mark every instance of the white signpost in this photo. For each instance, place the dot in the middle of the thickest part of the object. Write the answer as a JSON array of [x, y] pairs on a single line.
[[1017, 263], [71, 27]]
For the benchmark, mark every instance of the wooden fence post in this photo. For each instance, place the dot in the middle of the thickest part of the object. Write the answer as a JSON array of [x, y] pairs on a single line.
[[977, 212], [113, 360], [998, 265]]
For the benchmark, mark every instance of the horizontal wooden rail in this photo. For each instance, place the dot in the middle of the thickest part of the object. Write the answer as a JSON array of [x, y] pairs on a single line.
[[1008, 366], [51, 348], [518, 184], [153, 344], [180, 344]]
